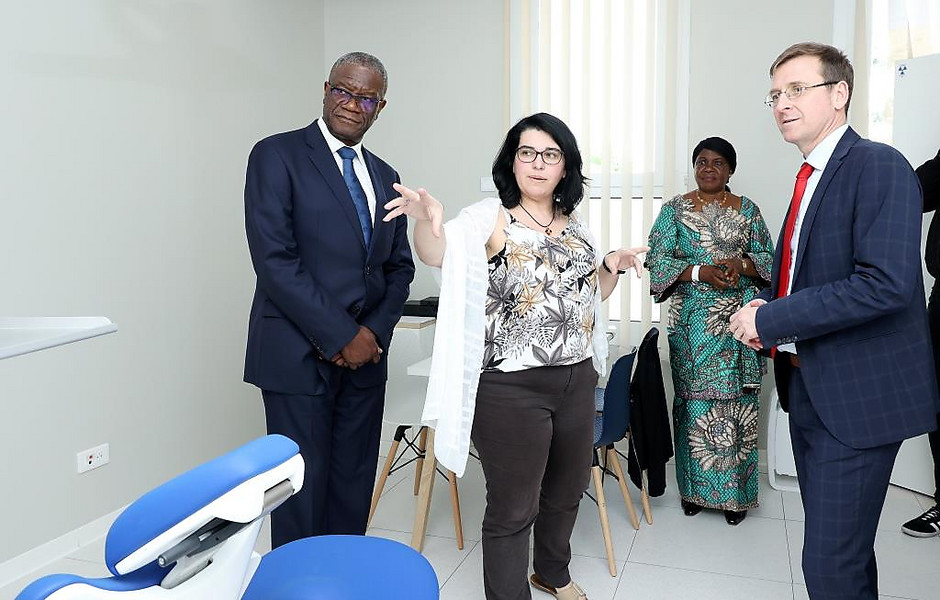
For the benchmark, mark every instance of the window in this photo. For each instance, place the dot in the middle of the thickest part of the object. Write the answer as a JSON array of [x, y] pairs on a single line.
[[900, 29], [608, 68]]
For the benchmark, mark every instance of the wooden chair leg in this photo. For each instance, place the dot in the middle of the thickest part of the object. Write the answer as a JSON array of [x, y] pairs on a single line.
[[645, 498], [618, 471], [422, 446], [455, 505], [644, 495], [605, 524], [380, 484], [426, 481]]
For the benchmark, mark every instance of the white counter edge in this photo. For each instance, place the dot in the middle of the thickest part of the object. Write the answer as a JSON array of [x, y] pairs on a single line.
[[56, 331]]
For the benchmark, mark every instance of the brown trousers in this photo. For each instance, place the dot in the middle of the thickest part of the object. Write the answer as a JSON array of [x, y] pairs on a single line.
[[534, 431]]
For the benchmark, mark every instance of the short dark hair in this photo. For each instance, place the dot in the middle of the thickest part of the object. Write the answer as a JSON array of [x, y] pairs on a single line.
[[718, 146], [363, 59], [570, 190], [835, 64]]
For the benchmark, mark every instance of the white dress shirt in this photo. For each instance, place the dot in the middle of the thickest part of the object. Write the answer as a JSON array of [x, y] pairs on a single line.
[[818, 159], [358, 165]]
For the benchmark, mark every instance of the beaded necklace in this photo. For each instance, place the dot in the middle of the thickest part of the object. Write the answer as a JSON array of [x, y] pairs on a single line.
[[724, 196]]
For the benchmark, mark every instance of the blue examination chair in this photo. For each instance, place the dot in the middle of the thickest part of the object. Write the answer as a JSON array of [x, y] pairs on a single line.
[[193, 538]]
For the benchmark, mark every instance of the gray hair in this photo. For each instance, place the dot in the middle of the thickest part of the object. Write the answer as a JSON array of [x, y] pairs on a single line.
[[362, 59]]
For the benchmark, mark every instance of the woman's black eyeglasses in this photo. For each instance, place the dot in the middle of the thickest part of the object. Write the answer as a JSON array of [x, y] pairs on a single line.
[[550, 156]]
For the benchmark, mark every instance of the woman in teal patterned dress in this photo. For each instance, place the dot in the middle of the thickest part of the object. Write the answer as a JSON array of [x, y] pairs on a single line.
[[710, 253]]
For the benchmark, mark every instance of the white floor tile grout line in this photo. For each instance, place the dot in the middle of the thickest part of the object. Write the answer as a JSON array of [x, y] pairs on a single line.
[[712, 573], [460, 564]]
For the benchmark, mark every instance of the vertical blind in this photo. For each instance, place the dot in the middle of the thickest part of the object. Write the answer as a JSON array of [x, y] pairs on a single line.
[[608, 68]]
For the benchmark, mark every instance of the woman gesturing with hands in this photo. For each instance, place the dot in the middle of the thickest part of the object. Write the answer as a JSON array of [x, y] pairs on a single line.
[[430, 244], [519, 343]]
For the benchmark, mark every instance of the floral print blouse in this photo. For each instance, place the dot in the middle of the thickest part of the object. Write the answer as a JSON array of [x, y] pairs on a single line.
[[540, 299]]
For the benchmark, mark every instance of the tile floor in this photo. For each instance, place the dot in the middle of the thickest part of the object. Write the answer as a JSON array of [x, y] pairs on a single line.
[[674, 558]]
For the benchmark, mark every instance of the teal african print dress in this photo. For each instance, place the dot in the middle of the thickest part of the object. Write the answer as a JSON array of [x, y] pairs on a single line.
[[716, 378]]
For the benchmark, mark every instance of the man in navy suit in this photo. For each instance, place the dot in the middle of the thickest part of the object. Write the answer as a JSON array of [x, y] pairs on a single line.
[[332, 279], [847, 316]]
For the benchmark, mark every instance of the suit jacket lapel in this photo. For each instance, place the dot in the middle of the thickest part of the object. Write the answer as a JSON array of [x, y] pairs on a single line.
[[835, 163], [323, 160]]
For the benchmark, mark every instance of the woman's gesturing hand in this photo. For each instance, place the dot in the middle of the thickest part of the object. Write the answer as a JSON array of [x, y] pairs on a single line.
[[417, 204], [625, 258]]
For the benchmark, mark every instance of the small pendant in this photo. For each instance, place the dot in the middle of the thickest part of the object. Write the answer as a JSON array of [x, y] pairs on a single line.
[[548, 231]]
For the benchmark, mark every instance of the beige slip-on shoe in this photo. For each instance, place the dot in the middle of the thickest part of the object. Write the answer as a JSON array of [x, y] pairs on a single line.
[[572, 591]]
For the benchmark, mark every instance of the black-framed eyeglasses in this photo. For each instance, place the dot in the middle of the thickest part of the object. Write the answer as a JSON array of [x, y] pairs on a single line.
[[793, 92], [550, 156], [366, 103]]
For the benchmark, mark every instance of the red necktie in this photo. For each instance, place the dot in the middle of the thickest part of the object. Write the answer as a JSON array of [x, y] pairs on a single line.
[[783, 282]]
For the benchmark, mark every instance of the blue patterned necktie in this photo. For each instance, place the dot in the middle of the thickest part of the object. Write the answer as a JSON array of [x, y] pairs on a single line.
[[357, 193]]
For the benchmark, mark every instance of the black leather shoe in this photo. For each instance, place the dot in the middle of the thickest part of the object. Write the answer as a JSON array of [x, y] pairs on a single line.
[[733, 517], [690, 508]]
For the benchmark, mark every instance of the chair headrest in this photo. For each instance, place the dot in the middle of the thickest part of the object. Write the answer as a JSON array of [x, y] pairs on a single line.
[[230, 487]]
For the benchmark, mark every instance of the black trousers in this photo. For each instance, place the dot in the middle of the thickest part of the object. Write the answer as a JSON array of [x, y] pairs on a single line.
[[338, 433], [534, 431], [933, 316]]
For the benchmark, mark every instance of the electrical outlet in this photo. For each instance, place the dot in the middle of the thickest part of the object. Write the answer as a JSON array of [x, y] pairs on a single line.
[[86, 460]]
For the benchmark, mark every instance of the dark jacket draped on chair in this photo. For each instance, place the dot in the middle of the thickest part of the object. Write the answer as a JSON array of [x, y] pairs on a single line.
[[651, 437]]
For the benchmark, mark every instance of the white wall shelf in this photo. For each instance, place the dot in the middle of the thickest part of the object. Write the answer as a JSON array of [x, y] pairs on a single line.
[[21, 335]]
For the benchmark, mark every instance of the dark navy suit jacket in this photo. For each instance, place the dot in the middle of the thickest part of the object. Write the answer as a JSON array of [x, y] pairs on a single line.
[[316, 280], [856, 310]]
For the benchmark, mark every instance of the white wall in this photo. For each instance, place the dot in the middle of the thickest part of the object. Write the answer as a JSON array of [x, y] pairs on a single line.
[[733, 45], [444, 120], [126, 126], [126, 129]]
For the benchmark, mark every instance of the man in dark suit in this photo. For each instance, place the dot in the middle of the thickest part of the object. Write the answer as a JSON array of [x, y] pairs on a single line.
[[928, 523], [332, 279], [847, 316]]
